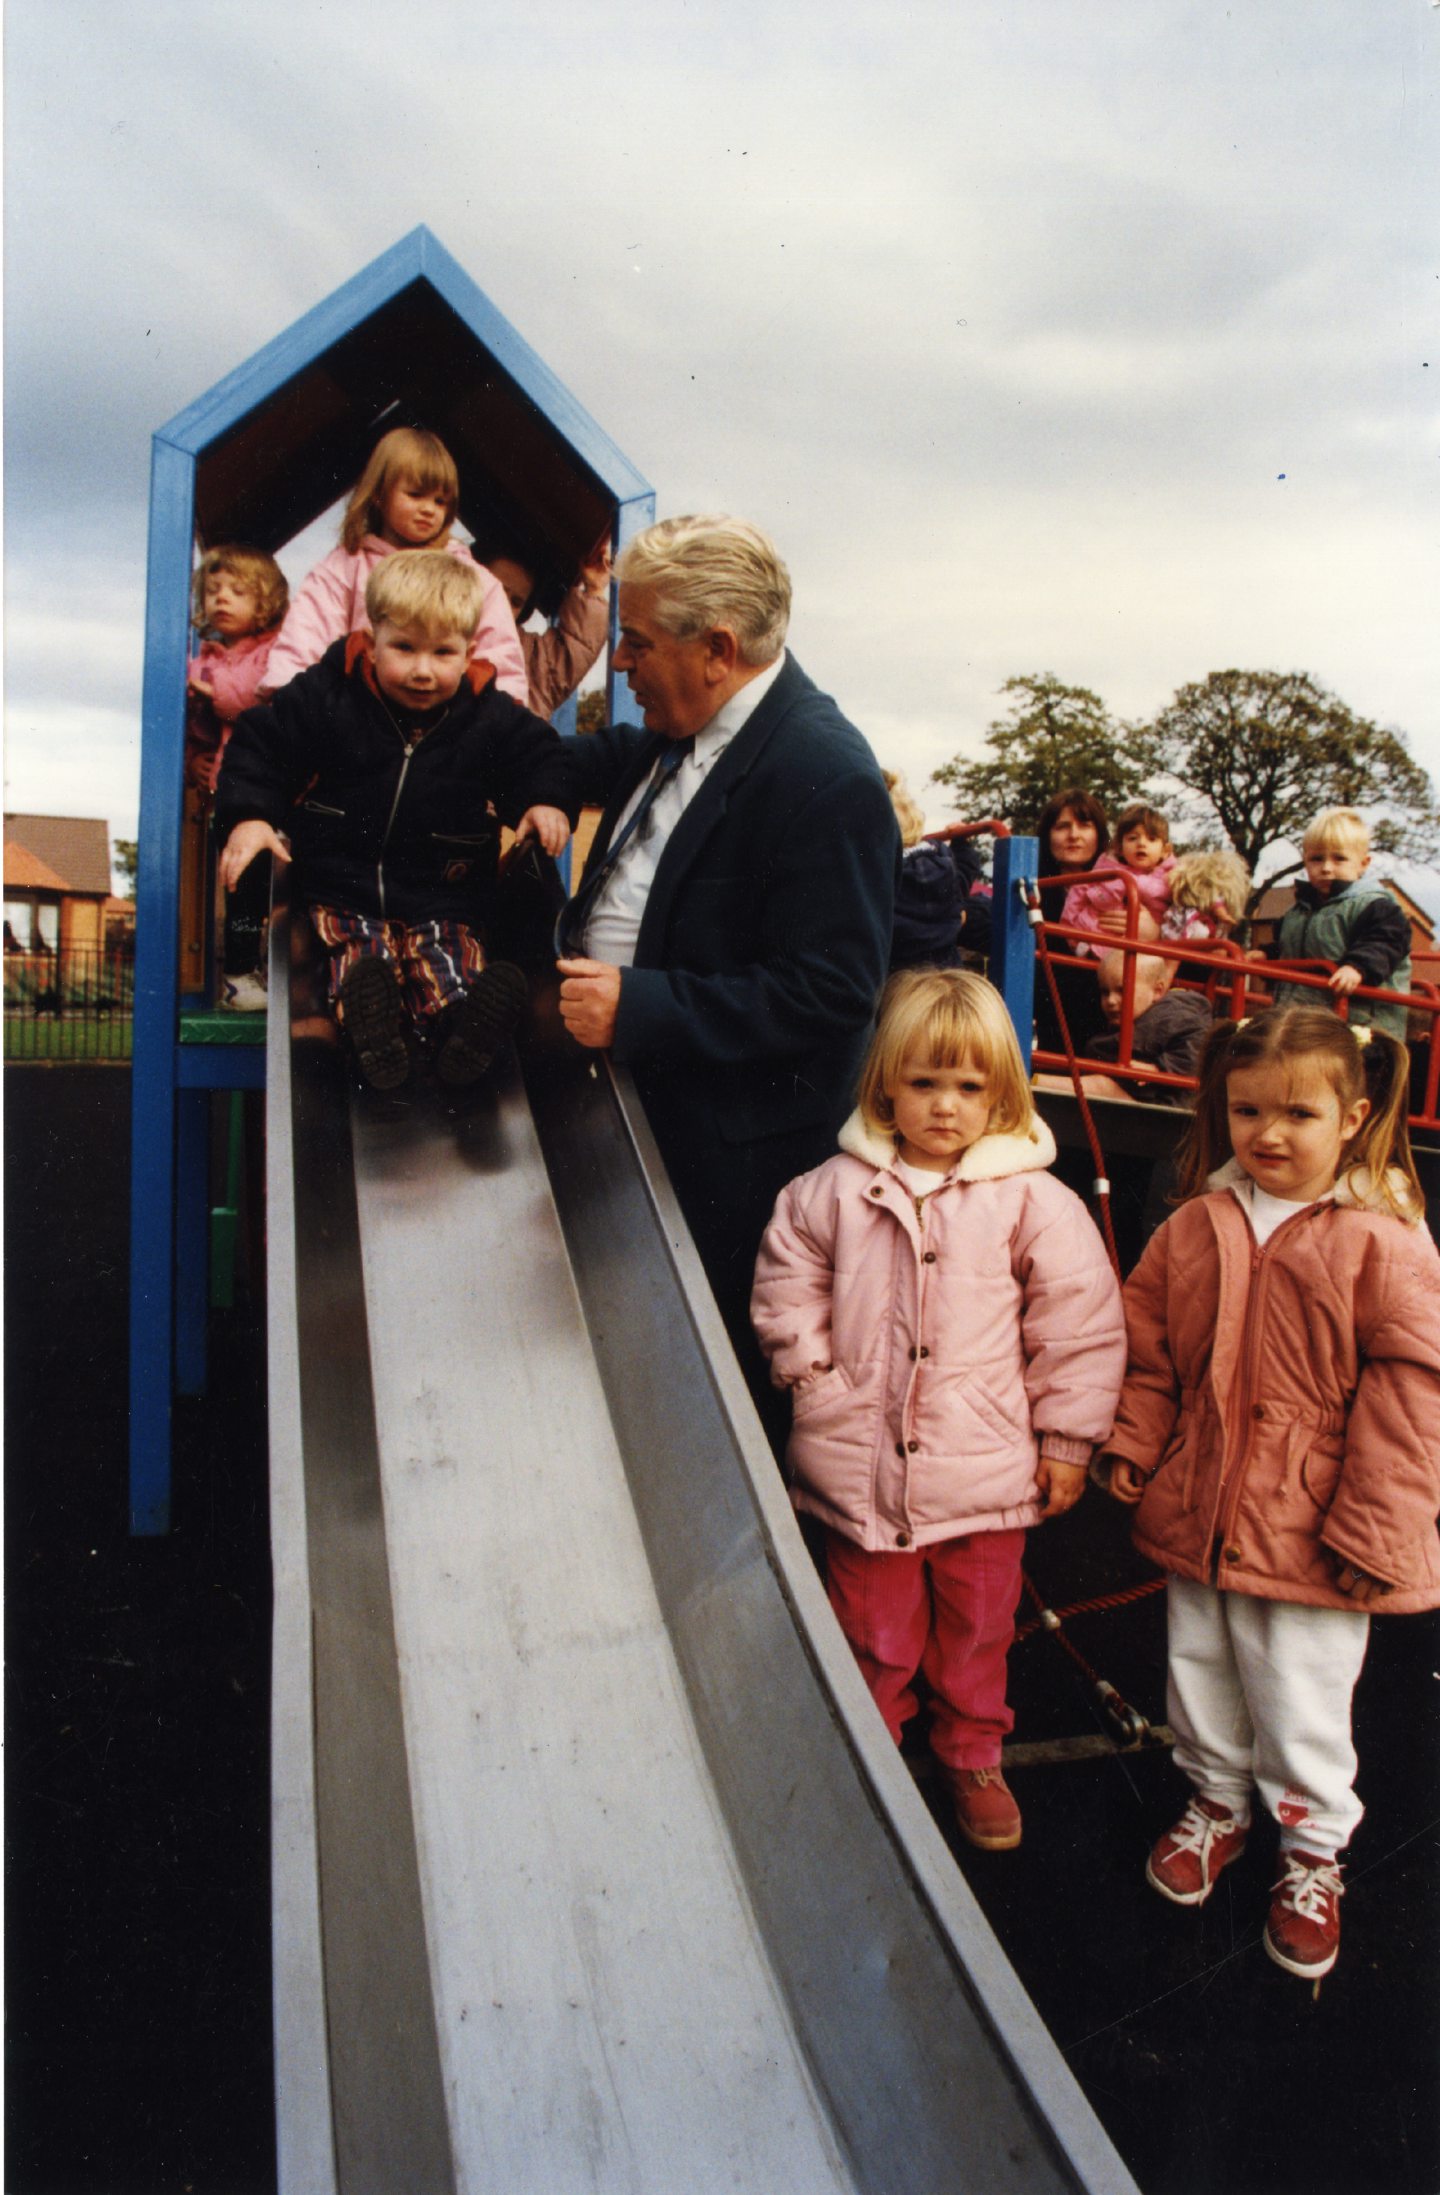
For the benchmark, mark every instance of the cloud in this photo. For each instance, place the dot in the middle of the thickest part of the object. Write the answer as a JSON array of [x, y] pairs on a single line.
[[1009, 324]]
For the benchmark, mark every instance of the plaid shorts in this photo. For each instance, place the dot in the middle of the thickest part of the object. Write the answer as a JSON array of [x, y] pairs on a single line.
[[436, 961]]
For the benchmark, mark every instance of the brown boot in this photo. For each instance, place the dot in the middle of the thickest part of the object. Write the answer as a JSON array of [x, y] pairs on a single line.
[[985, 1809]]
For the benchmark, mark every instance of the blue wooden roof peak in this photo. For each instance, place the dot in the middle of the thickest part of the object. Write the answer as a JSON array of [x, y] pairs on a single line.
[[410, 339]]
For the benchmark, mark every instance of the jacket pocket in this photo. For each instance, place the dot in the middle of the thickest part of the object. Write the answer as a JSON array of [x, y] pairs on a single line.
[[1321, 1463], [813, 1395], [1010, 1424], [1195, 1445]]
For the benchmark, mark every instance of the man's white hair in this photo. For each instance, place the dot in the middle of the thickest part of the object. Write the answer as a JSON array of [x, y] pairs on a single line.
[[713, 571]]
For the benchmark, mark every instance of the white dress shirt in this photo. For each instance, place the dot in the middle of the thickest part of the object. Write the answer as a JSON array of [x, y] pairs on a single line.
[[614, 922]]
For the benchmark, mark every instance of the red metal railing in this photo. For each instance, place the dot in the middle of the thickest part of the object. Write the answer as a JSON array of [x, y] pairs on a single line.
[[1237, 986]]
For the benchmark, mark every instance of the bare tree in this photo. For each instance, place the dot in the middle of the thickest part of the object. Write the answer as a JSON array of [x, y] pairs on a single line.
[[1257, 754]]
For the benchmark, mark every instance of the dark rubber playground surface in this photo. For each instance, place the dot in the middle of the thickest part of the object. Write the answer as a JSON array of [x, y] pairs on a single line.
[[139, 2051]]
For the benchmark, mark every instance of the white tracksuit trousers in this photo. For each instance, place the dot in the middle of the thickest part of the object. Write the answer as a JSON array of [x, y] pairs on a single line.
[[1259, 1694]]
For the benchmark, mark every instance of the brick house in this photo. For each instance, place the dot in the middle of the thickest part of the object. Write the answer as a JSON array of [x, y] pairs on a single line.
[[57, 882]]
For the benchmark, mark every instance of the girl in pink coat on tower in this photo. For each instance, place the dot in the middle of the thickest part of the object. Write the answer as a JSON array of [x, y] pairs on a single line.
[[406, 498], [1140, 849], [1278, 1433], [943, 1313]]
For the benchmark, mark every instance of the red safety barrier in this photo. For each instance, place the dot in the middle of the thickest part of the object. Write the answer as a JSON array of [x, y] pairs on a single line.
[[991, 828], [1237, 986]]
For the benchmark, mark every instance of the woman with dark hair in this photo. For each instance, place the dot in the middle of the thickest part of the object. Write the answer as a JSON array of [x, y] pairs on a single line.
[[1073, 831]]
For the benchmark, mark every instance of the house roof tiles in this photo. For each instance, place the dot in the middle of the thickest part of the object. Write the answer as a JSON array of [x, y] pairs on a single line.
[[74, 849]]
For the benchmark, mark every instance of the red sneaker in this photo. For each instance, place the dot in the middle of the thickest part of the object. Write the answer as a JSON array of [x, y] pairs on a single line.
[[985, 1808], [1185, 1865], [1302, 1933]]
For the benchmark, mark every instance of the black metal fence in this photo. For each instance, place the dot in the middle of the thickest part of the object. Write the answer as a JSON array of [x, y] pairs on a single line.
[[71, 1004]]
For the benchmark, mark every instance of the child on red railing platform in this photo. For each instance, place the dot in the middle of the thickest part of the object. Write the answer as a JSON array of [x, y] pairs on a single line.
[[1141, 850], [1167, 1032], [1342, 915], [1073, 831], [929, 896]]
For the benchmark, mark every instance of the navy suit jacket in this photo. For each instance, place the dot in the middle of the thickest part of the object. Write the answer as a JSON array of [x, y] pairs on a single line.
[[766, 937]]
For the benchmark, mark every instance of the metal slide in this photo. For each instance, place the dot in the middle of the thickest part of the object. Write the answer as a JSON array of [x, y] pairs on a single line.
[[593, 1865]]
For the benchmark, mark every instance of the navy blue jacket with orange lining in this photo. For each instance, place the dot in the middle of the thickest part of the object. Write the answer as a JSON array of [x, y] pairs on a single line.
[[390, 813]]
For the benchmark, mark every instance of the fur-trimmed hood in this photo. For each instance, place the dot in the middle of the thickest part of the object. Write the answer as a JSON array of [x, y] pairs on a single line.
[[991, 1158], [932, 1344]]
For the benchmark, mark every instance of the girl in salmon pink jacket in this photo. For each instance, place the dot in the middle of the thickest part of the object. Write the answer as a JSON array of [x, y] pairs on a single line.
[[406, 498], [943, 1314], [1278, 1433]]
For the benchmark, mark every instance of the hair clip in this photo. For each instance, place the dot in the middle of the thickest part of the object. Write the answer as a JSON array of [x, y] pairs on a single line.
[[1361, 1032]]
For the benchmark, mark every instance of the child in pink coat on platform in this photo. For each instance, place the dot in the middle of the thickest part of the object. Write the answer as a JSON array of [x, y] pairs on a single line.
[[239, 597], [406, 498], [1141, 850], [943, 1313]]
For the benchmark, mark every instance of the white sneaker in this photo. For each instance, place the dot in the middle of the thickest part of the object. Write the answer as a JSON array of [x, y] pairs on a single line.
[[243, 995]]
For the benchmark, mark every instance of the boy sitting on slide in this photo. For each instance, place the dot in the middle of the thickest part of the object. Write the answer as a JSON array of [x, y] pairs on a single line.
[[388, 763]]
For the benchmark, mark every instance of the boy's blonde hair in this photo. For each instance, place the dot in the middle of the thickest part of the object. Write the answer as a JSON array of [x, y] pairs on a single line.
[[255, 569], [1343, 828], [408, 457], [427, 587], [908, 812], [713, 571], [945, 1016]]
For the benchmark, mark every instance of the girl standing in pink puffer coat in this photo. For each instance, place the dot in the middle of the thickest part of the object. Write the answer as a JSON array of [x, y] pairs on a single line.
[[406, 498], [945, 1318]]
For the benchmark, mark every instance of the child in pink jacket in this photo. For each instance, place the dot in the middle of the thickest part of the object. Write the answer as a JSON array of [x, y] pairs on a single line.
[[238, 596], [1277, 1436], [943, 1314], [1141, 850], [406, 498]]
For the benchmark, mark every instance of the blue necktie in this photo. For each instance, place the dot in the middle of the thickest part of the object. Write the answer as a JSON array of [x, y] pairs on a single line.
[[573, 916]]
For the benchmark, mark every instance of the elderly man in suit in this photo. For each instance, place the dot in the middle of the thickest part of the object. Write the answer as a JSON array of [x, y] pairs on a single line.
[[732, 931]]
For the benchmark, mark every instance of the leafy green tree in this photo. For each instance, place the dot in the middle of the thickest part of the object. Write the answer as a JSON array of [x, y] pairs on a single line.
[[590, 711], [1053, 736], [125, 860], [1257, 754]]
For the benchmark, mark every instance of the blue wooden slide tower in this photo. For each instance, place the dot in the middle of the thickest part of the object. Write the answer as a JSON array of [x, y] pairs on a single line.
[[409, 340]]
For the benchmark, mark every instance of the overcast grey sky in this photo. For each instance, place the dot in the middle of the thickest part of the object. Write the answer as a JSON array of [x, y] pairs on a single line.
[[1101, 339]]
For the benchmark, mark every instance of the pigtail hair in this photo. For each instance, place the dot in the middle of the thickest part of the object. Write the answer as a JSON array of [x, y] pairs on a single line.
[[1358, 1062], [1205, 1145], [1381, 1145]]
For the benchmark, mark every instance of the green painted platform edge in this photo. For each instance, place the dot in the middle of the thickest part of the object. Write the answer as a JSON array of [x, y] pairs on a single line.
[[220, 1028]]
